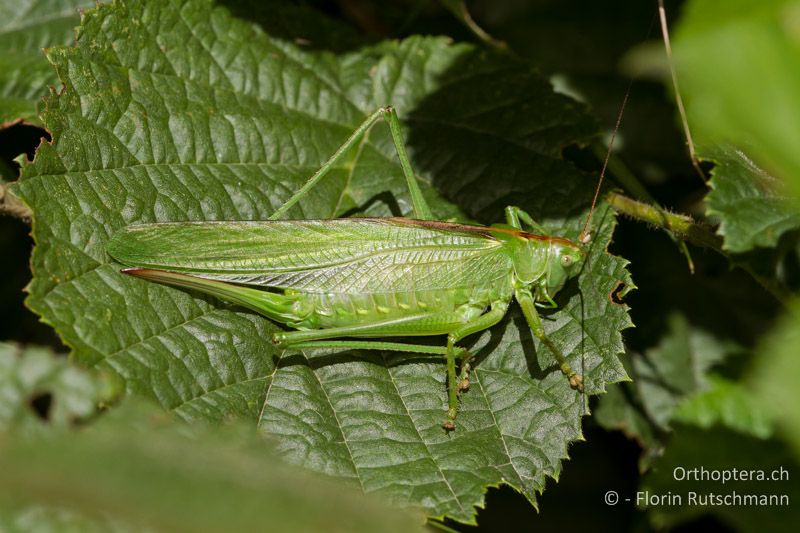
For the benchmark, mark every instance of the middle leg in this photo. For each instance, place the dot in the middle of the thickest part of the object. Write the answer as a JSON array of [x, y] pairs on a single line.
[[485, 321], [420, 324]]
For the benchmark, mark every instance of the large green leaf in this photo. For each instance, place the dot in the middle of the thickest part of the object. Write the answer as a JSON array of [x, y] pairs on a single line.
[[138, 469], [775, 371], [743, 110], [181, 112], [753, 207], [728, 403], [25, 28], [664, 377], [748, 98]]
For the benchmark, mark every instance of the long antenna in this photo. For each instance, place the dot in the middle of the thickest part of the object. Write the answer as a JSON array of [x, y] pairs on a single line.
[[585, 236], [662, 16]]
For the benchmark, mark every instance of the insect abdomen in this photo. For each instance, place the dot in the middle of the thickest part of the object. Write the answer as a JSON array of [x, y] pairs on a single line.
[[322, 311]]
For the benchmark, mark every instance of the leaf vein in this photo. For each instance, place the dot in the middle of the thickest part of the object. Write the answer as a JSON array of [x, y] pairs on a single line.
[[422, 440]]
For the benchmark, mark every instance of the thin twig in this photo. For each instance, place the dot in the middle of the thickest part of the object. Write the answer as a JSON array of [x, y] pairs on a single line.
[[459, 9], [662, 15], [631, 184], [686, 228], [681, 225]]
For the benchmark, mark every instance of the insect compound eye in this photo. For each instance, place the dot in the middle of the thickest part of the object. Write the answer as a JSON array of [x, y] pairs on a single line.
[[566, 261]]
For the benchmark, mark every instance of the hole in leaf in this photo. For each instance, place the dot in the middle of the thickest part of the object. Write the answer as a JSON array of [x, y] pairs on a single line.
[[20, 138], [617, 294], [707, 167], [41, 404]]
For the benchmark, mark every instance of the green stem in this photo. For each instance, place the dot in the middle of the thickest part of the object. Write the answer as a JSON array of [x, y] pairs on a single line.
[[459, 9], [628, 181], [686, 228], [681, 225]]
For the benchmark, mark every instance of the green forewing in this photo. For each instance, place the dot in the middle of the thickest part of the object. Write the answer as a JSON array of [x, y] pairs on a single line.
[[366, 255]]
